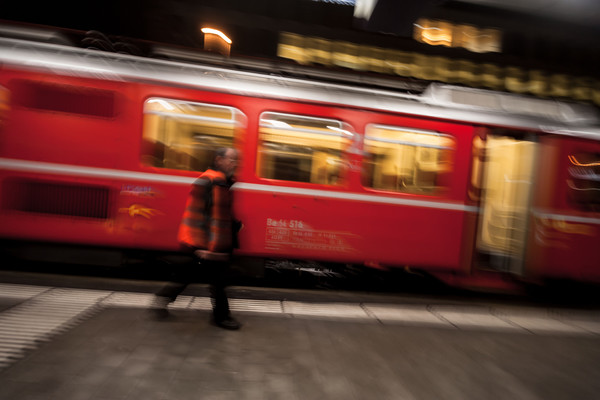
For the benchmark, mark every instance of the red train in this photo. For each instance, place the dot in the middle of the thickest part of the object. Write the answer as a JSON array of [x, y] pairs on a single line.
[[472, 186]]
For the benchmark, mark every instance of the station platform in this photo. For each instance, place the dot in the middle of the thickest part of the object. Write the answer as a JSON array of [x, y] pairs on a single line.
[[72, 343]]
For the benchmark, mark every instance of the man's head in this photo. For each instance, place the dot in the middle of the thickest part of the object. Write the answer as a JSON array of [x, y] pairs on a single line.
[[226, 159]]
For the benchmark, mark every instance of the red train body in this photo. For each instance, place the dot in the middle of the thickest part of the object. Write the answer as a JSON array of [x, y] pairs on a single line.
[[472, 186]]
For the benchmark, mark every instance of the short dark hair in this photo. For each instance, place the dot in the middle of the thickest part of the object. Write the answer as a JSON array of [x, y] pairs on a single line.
[[220, 152]]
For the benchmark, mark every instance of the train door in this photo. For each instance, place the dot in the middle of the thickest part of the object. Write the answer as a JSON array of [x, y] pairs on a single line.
[[507, 175], [565, 223]]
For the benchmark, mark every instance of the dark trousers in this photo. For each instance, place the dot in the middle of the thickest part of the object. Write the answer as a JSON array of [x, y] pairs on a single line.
[[215, 271]]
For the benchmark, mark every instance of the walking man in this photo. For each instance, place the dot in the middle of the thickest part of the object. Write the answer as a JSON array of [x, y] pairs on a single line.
[[207, 230]]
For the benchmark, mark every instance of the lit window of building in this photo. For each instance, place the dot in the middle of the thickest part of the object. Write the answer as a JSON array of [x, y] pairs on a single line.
[[472, 38]]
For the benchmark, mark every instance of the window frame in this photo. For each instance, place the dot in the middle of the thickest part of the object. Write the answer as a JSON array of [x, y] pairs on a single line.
[[440, 190], [238, 121], [576, 171], [338, 128]]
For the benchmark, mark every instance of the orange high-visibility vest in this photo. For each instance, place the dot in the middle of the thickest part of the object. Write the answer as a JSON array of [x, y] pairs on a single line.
[[206, 222]]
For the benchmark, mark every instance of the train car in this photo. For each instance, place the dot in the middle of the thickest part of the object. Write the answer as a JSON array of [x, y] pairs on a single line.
[[474, 187]]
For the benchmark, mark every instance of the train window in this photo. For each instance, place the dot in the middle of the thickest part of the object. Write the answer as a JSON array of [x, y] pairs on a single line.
[[506, 185], [478, 158], [303, 149], [65, 98], [406, 160], [4, 105], [584, 181], [184, 135]]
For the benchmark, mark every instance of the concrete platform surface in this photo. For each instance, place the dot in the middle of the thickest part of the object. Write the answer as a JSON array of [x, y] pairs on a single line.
[[61, 343]]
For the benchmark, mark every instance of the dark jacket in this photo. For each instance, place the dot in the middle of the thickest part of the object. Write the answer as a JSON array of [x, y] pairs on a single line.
[[207, 222]]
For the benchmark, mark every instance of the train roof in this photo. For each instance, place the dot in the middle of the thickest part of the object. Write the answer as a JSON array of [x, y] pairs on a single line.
[[268, 79]]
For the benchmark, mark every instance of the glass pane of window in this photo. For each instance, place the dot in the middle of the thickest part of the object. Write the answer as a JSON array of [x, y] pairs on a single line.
[[475, 39], [303, 149], [4, 105], [584, 181], [478, 158], [84, 101], [406, 160], [184, 135], [506, 190]]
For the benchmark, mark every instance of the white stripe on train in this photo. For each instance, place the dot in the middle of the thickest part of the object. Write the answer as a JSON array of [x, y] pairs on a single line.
[[106, 173], [92, 172]]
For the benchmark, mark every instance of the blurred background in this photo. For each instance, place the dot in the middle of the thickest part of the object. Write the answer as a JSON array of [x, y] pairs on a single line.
[[545, 48]]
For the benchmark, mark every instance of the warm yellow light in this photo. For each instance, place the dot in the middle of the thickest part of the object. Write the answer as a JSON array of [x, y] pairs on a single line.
[[216, 32], [436, 38], [579, 164]]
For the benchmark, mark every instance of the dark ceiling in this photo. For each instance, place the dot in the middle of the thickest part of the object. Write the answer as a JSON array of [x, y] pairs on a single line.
[[547, 32]]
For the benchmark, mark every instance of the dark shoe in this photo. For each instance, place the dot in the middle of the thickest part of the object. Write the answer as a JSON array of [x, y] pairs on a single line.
[[159, 313], [228, 323], [158, 308]]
